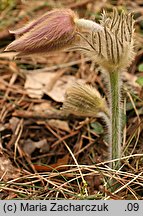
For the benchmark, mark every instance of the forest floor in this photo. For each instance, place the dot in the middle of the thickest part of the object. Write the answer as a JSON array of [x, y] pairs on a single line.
[[45, 154]]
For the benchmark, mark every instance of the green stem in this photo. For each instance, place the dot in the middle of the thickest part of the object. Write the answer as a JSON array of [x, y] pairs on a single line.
[[115, 112]]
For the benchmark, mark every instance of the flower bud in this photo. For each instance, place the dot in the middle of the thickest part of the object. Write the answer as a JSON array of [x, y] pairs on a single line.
[[84, 100], [54, 30]]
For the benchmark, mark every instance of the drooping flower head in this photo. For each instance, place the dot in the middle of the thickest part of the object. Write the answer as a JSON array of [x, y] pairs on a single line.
[[53, 30]]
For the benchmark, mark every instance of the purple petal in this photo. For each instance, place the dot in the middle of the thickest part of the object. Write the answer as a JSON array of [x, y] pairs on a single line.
[[53, 30]]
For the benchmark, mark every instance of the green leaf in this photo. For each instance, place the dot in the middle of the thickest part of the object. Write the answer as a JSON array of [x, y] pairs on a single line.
[[140, 67], [140, 81], [97, 127]]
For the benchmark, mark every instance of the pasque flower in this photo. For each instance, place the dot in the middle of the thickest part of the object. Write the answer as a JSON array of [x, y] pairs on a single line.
[[84, 100], [109, 43], [49, 32]]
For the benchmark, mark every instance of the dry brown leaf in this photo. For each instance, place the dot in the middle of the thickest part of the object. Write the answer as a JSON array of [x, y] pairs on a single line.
[[14, 121], [63, 125], [57, 93], [7, 170], [36, 82], [131, 80], [29, 146], [60, 162], [2, 85], [2, 127], [52, 84], [42, 107]]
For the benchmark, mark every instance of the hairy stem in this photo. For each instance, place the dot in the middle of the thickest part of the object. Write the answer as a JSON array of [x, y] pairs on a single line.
[[115, 112]]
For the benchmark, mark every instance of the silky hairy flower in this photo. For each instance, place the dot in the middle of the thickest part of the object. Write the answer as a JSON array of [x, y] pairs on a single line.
[[53, 30], [112, 46], [84, 100]]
